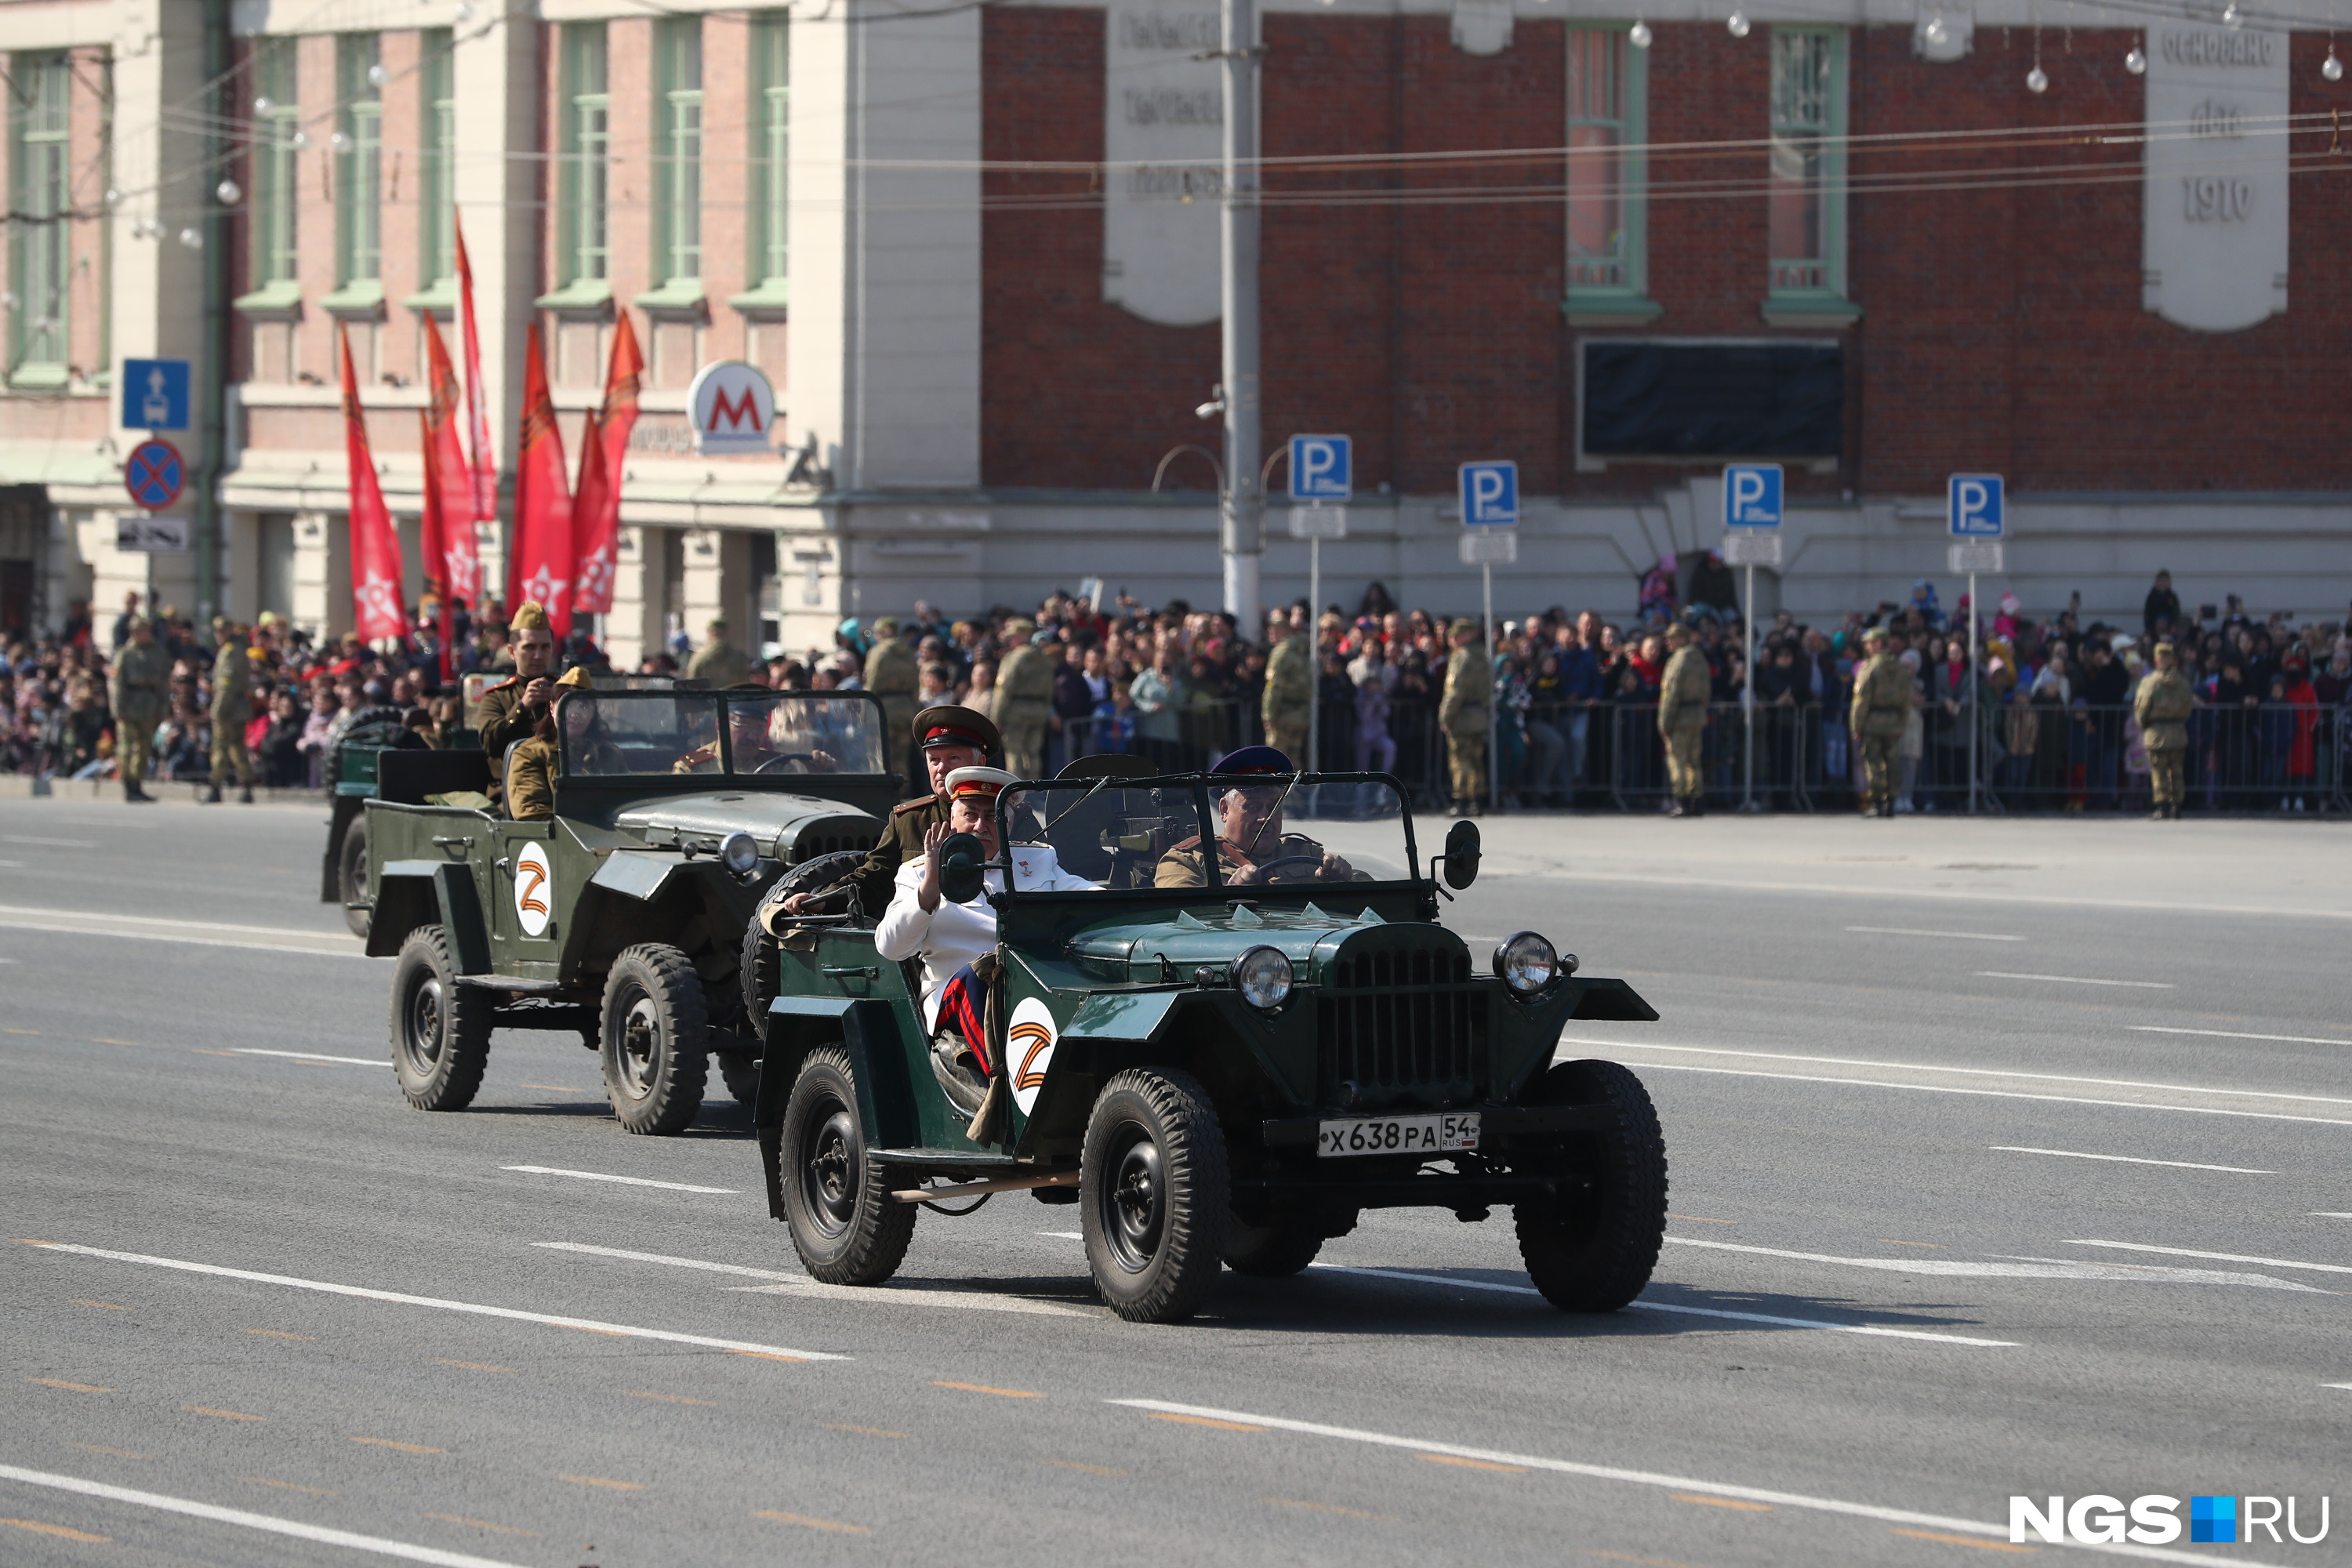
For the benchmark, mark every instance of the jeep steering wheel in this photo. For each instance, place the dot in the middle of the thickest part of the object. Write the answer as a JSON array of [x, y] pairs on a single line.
[[809, 757], [1267, 869]]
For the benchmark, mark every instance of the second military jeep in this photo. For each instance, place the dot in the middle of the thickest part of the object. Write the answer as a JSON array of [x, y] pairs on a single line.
[[1221, 1061], [623, 916]]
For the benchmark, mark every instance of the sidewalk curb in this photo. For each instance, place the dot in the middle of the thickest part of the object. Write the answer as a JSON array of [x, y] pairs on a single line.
[[25, 786]]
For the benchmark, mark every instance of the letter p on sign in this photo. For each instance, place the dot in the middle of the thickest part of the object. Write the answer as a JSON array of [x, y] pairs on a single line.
[[1751, 495], [1973, 506]]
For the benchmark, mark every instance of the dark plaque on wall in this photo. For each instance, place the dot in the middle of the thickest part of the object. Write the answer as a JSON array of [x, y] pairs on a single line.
[[1713, 400]]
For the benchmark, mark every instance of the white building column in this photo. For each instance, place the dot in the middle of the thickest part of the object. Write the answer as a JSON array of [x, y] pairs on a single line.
[[323, 574], [634, 629]]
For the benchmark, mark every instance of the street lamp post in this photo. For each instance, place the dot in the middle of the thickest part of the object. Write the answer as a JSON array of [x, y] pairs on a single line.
[[1241, 522]]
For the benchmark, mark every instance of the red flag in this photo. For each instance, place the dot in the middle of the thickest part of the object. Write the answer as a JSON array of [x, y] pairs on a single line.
[[375, 545], [477, 398], [445, 469], [432, 543], [596, 505], [540, 565]]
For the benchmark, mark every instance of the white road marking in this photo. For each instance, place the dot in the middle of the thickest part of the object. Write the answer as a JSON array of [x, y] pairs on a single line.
[[2335, 1385], [2078, 980], [2234, 1035], [396, 1298], [194, 933], [313, 1056], [1962, 935], [47, 843], [2126, 1160], [1676, 1308], [626, 1181], [788, 1284], [1648, 1479], [2316, 1215], [238, 1516], [2220, 1256], [2030, 1268]]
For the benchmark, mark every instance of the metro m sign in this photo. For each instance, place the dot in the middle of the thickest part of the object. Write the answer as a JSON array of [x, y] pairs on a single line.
[[732, 407]]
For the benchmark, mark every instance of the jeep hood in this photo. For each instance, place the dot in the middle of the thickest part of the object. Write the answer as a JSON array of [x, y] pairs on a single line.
[[785, 826], [1310, 939]]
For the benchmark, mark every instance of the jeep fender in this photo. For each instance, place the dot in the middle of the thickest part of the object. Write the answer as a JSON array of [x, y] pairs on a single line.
[[413, 893]]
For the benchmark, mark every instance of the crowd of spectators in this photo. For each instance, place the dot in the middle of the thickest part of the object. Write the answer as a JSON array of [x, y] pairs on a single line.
[[2047, 700]]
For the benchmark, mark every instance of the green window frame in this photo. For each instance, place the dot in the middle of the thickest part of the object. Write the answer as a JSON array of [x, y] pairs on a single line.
[[771, 142], [436, 182], [678, 150], [1806, 189], [272, 226], [1608, 125], [583, 247], [359, 160], [40, 263]]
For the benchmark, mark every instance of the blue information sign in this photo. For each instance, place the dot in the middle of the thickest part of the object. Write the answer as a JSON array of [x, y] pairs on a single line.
[[1751, 495], [1490, 494], [155, 393], [1972, 506], [1321, 468]]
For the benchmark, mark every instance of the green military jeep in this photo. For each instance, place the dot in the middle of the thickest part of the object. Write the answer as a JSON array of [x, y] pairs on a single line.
[[1221, 1061], [623, 916]]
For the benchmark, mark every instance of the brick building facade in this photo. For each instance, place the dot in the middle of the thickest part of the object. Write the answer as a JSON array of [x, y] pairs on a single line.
[[1863, 248]]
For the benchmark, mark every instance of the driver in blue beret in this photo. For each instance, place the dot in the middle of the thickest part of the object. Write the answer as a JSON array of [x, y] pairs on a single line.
[[1252, 848]]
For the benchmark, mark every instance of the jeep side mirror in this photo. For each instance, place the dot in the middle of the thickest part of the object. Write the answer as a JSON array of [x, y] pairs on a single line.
[[962, 860], [1461, 855]]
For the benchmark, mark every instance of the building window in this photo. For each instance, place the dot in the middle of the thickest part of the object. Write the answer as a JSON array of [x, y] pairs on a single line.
[[678, 151], [586, 131], [274, 154], [436, 189], [358, 160], [771, 144], [1806, 196], [43, 200], [1605, 133]]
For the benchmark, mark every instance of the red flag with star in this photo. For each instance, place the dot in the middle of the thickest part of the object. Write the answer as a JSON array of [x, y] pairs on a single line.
[[459, 560], [540, 563], [485, 469], [375, 543], [596, 505]]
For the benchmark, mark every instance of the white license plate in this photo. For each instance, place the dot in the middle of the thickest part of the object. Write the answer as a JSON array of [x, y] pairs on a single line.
[[1397, 1135]]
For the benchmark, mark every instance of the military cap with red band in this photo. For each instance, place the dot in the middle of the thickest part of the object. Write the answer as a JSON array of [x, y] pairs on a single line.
[[949, 725], [982, 784]]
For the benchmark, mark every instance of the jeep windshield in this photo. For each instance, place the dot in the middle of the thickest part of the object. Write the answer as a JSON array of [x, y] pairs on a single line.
[[740, 733], [1292, 832]]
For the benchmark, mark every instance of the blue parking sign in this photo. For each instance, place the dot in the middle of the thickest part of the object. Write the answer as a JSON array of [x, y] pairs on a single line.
[[155, 395], [1321, 468], [1751, 495], [1972, 506], [1490, 494]]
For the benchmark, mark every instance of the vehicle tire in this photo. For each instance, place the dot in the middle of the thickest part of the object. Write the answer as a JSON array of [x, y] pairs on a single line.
[[440, 1030], [1593, 1251], [352, 876], [845, 1227], [1152, 1195], [741, 1069], [1270, 1251], [757, 963], [655, 1042]]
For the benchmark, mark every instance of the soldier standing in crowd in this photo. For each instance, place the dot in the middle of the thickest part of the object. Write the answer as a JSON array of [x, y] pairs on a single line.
[[718, 661], [1288, 705], [2163, 707], [142, 693], [504, 715], [232, 710], [1681, 720], [1466, 713], [893, 675], [1024, 700], [949, 738], [1880, 713]]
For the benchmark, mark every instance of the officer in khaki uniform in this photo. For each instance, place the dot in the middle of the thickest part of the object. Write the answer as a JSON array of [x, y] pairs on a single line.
[[232, 712], [534, 766], [1681, 720], [1289, 703], [891, 676], [1024, 699], [2163, 707], [142, 694], [950, 738], [1880, 713], [503, 715], [1466, 713]]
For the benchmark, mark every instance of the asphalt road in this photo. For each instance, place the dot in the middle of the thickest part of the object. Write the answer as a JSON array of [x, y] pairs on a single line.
[[1975, 1196]]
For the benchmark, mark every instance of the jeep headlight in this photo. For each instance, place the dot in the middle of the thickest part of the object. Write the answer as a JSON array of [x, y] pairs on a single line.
[[741, 852], [1527, 964], [1263, 977]]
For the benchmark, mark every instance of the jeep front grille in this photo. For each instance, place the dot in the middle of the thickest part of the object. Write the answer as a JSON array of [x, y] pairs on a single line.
[[832, 834], [1402, 1023]]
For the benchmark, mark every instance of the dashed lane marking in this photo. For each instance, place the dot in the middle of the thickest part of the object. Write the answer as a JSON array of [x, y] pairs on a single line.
[[605, 1481], [2013, 1268], [313, 1056], [784, 1284], [2078, 980], [1702, 1219], [68, 1387], [63, 1533], [278, 1334], [1207, 1421], [667, 1398], [482, 1524], [395, 1297], [194, 933], [1932, 1245], [1947, 935], [2234, 1035], [1650, 1479], [401, 1447], [468, 1365], [1330, 1508], [2217, 1257], [624, 1180], [1723, 1503], [1963, 1540], [261, 1522], [861, 1431], [220, 1414], [2126, 1160], [1472, 1464], [983, 1388], [831, 1525]]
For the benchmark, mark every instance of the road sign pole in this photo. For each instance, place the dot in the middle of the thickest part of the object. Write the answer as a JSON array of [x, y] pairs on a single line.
[[1494, 730], [1748, 695], [1242, 525], [1315, 661], [1976, 693]]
